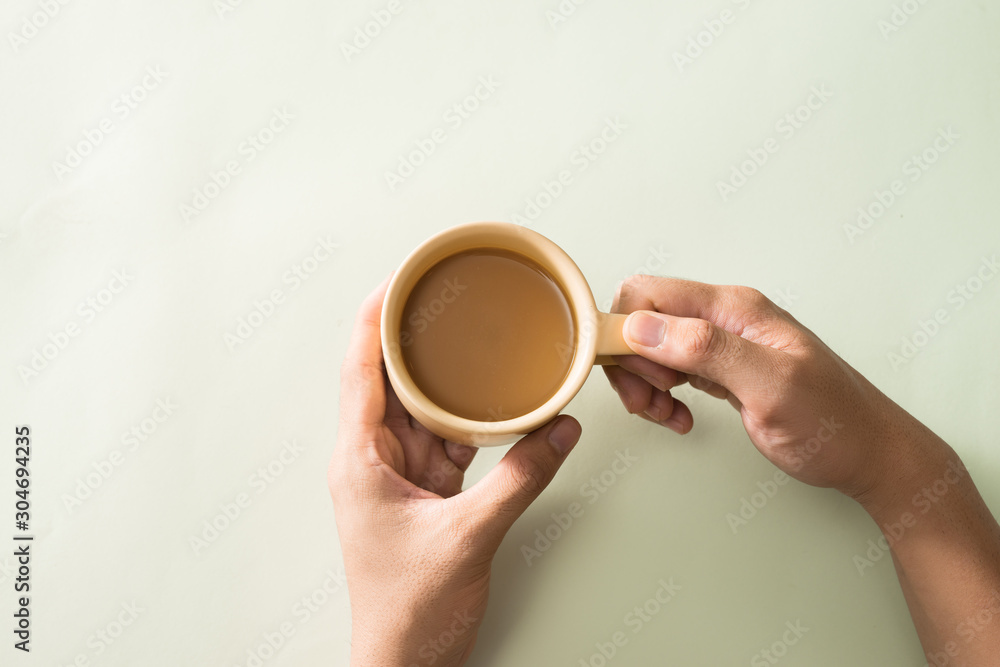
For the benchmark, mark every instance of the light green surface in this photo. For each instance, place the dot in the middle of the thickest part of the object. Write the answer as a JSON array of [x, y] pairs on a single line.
[[653, 192]]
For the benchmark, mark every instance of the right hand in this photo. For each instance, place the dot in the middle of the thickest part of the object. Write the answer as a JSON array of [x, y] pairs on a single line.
[[804, 408]]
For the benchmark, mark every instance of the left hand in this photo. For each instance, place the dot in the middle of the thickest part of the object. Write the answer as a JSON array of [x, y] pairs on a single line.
[[417, 550]]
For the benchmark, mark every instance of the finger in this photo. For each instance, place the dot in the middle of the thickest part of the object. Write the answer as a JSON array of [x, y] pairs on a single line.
[[396, 416], [680, 421], [633, 391], [617, 297], [361, 371], [661, 406], [460, 455], [731, 307], [698, 347], [437, 473], [498, 499], [707, 386], [661, 377], [715, 390], [362, 388], [414, 438]]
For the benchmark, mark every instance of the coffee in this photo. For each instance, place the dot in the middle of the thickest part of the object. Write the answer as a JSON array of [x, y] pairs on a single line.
[[487, 334]]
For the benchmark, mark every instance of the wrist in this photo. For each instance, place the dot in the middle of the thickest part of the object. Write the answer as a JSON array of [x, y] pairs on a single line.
[[914, 470], [407, 639], [400, 652], [381, 635]]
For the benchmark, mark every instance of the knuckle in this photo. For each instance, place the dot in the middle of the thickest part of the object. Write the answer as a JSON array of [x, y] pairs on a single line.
[[333, 475], [750, 299], [800, 371], [635, 282], [770, 416], [337, 481], [754, 296], [699, 383], [634, 288], [371, 372], [700, 339], [529, 479], [363, 373]]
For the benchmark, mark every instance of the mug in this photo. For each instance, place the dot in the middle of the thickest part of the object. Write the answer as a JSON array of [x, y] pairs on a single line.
[[597, 335]]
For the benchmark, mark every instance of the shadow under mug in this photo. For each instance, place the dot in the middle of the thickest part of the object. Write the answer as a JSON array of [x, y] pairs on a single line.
[[597, 335]]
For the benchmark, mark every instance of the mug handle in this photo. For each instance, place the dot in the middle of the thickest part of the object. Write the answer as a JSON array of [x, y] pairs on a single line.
[[610, 340]]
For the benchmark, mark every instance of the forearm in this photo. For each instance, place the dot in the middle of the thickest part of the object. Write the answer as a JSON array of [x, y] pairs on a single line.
[[946, 548]]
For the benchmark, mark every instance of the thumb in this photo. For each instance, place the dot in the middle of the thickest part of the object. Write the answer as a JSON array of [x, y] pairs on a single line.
[[699, 347], [505, 492]]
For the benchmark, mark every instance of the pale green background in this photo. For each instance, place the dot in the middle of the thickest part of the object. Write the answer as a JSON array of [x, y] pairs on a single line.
[[653, 191]]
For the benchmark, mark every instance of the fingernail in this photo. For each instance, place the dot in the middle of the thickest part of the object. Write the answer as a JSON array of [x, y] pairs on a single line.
[[645, 330], [674, 425], [653, 413], [564, 435]]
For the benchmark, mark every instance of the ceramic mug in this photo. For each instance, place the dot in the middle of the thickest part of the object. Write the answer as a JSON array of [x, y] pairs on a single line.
[[597, 335]]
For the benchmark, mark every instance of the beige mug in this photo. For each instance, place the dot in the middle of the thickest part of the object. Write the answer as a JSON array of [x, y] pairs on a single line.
[[598, 335]]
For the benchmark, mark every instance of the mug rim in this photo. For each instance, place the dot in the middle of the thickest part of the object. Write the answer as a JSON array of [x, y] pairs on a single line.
[[555, 261]]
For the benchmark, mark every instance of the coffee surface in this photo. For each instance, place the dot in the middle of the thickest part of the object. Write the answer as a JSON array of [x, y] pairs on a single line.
[[487, 334]]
